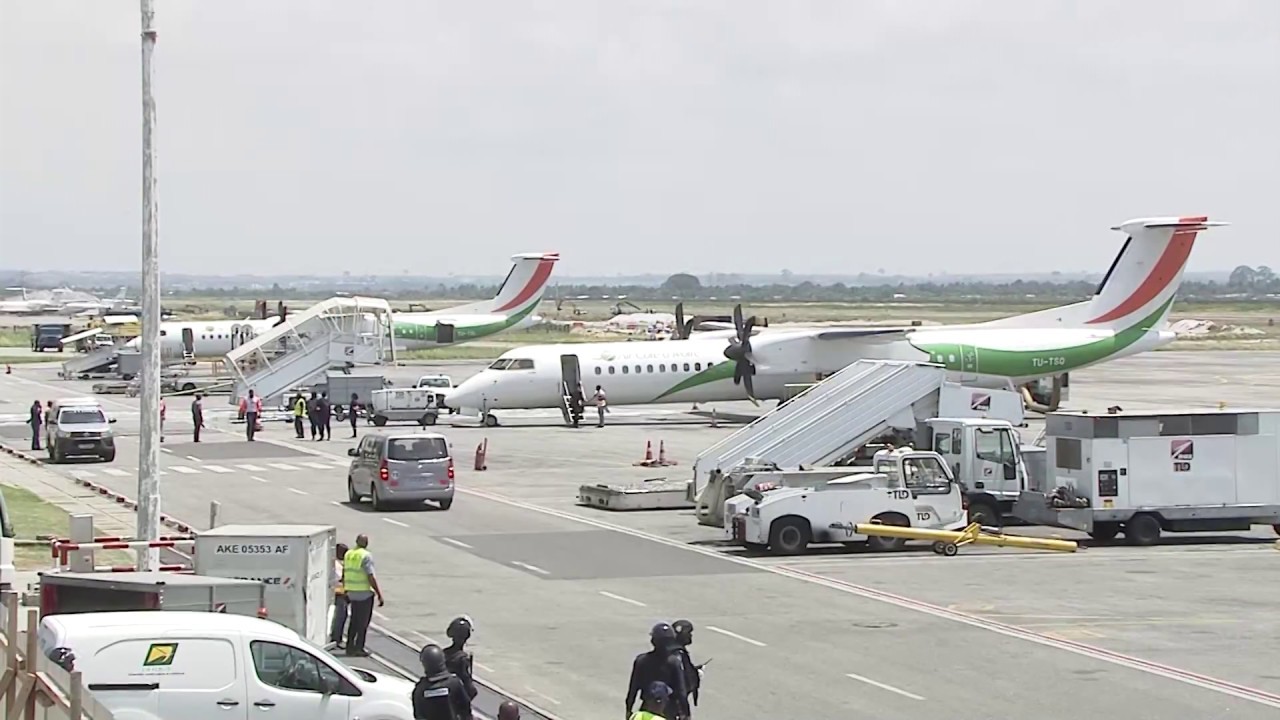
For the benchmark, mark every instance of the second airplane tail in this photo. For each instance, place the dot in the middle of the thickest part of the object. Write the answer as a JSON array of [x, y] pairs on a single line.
[[1140, 285]]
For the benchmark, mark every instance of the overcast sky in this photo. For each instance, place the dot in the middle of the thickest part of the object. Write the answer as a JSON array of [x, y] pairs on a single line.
[[645, 136]]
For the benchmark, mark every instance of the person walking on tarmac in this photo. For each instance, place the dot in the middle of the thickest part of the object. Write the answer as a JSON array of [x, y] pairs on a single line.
[[252, 411], [353, 412], [659, 665], [362, 586], [197, 418], [439, 694], [339, 600], [457, 658], [692, 673], [602, 405], [299, 411], [36, 421], [313, 413], [326, 414], [655, 703]]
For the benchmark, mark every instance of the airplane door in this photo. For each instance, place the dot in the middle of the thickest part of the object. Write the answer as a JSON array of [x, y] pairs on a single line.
[[235, 336], [188, 341], [445, 334], [968, 359], [570, 372]]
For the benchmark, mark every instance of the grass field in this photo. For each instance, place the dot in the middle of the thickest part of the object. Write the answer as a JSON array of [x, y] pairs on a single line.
[[34, 518]]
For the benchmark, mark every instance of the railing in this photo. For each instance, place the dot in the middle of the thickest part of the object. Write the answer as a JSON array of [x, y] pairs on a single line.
[[34, 687]]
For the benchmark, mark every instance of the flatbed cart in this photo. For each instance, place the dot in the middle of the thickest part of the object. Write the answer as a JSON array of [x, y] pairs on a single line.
[[949, 542]]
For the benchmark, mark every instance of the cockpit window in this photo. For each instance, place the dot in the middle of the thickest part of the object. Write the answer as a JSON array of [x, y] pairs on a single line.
[[512, 364]]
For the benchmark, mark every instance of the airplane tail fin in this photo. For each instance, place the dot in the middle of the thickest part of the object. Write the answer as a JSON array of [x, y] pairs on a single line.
[[523, 288], [1140, 285]]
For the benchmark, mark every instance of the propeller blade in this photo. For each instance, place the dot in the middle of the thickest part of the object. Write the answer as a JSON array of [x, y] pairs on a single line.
[[737, 319], [746, 380], [680, 332]]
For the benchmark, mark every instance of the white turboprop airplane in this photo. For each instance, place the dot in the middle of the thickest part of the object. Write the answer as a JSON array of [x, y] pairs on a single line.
[[512, 307], [1126, 316]]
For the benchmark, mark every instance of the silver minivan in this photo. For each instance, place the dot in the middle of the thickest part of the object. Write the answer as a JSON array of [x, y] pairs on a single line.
[[405, 467]]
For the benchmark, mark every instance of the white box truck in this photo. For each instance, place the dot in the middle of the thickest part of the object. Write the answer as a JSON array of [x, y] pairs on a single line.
[[1142, 473], [295, 562]]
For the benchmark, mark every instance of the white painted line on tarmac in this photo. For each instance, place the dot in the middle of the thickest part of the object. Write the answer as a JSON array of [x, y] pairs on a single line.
[[544, 696], [251, 468], [735, 636], [883, 686], [255, 477], [116, 472], [281, 466], [317, 466], [621, 598], [395, 522], [193, 458], [218, 469], [335, 502], [166, 450], [459, 543], [184, 469], [296, 490], [531, 568]]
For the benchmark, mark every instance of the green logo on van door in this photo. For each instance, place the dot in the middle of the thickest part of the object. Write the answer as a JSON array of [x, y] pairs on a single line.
[[160, 655]]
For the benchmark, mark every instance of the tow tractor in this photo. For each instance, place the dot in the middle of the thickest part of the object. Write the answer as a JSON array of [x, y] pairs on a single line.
[[908, 488]]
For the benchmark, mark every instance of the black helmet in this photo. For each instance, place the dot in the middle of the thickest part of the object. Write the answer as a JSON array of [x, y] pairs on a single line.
[[459, 629], [684, 631], [64, 658], [662, 636], [432, 659]]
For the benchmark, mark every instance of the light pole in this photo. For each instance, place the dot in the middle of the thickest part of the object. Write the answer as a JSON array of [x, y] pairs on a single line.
[[148, 447]]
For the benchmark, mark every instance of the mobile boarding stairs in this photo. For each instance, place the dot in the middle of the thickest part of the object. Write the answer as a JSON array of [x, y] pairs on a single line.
[[341, 333], [830, 421]]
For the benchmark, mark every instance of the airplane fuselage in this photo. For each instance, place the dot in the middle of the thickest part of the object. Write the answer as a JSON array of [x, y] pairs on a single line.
[[696, 370], [441, 329]]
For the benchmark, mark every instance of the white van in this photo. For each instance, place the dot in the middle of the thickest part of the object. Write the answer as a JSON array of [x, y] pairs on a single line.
[[151, 665]]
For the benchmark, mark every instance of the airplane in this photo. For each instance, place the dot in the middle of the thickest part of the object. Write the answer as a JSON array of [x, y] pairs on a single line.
[[512, 307], [1127, 315], [27, 305]]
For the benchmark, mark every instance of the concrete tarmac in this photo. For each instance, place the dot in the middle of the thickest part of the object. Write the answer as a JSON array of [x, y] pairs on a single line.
[[563, 596]]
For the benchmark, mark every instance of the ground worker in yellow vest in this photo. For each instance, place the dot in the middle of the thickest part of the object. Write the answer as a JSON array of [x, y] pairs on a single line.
[[361, 587], [299, 412], [654, 703], [339, 600]]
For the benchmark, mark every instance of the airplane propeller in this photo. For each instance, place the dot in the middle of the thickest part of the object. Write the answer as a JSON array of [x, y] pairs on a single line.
[[282, 311], [739, 351], [683, 329]]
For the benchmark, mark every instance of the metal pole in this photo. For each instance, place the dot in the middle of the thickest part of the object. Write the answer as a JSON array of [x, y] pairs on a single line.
[[149, 447]]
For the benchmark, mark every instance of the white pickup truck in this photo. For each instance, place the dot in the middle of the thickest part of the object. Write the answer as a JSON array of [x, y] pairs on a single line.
[[907, 488], [441, 384]]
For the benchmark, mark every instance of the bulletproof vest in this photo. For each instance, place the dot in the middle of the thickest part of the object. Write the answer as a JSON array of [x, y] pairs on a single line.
[[458, 662], [432, 693]]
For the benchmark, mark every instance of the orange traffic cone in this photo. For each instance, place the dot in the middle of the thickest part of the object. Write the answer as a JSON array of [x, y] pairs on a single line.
[[648, 454], [662, 454]]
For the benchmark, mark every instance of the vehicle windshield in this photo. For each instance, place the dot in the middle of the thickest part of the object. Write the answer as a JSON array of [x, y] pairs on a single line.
[[512, 364], [422, 448], [434, 382], [81, 416], [923, 474]]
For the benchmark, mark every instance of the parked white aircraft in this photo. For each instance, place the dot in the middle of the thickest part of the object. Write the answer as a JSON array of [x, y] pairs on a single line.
[[512, 307], [1127, 315]]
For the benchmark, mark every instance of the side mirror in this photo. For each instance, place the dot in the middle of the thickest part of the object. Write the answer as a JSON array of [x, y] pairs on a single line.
[[111, 420], [351, 452], [1010, 471], [329, 685]]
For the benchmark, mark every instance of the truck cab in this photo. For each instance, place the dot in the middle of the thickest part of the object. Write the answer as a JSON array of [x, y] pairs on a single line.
[[984, 455], [77, 427], [907, 488], [440, 384]]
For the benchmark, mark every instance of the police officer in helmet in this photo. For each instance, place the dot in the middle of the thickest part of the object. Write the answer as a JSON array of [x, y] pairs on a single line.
[[456, 657], [661, 664], [692, 673], [439, 694]]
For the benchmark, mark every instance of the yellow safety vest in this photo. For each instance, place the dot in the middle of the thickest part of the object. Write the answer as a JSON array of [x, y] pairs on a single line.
[[645, 715], [354, 578], [300, 408]]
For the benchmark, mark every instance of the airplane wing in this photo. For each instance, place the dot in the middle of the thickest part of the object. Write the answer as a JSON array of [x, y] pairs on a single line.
[[846, 333]]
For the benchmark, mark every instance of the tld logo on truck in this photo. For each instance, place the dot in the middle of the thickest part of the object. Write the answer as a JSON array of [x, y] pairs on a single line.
[[160, 655], [980, 402], [251, 549], [1182, 451]]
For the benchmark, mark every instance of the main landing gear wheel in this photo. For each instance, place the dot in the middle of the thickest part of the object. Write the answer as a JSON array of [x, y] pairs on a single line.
[[490, 420], [946, 548]]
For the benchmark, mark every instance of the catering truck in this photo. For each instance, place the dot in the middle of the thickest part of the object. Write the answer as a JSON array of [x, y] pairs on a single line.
[[1144, 473]]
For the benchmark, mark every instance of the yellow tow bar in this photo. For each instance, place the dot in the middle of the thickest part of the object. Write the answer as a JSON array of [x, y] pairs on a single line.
[[949, 542]]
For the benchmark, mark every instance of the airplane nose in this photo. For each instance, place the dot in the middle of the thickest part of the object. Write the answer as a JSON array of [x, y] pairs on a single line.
[[458, 397]]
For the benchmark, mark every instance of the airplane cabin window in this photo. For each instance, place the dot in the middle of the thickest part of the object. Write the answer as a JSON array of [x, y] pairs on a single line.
[[686, 367], [598, 371], [662, 367], [637, 368], [610, 369], [697, 366], [626, 369], [522, 364], [648, 368]]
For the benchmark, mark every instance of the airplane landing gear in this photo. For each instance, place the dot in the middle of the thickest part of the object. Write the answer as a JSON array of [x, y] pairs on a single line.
[[490, 420]]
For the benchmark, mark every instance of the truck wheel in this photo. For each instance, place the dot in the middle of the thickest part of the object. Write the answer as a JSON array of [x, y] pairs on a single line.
[[353, 497], [446, 504], [188, 387], [55, 455], [379, 420], [789, 536], [1276, 527], [1102, 532], [879, 543], [490, 420], [1142, 529], [378, 503], [428, 419], [985, 514]]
